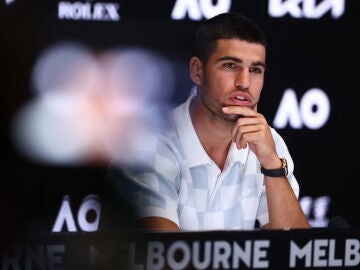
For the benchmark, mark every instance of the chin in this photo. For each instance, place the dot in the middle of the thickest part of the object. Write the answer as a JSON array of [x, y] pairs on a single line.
[[231, 117]]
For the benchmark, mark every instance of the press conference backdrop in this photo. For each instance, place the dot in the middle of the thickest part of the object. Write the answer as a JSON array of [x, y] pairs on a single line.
[[76, 75]]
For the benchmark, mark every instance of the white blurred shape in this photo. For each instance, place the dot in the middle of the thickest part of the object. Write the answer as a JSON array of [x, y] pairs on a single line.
[[46, 131], [8, 2], [62, 67], [144, 80], [90, 107]]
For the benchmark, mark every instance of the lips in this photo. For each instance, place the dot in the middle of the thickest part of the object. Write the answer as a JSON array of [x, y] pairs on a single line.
[[240, 99]]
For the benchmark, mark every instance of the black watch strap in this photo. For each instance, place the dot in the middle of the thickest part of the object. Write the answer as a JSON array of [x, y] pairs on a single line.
[[283, 171]]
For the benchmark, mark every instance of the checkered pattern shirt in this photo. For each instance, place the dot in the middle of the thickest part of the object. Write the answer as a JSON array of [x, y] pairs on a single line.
[[177, 180]]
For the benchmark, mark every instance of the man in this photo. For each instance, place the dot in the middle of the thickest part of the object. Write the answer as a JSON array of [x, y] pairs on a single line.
[[220, 165]]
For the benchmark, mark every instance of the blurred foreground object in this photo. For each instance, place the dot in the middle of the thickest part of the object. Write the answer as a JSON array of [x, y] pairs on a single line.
[[91, 105]]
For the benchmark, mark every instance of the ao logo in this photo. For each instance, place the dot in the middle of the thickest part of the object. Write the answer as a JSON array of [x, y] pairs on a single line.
[[199, 9], [311, 9], [313, 110], [65, 216], [316, 210]]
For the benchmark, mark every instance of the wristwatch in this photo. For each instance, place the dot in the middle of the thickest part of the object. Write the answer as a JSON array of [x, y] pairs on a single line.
[[283, 171]]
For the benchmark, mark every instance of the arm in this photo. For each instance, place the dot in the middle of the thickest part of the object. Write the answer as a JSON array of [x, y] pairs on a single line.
[[283, 206], [151, 184], [157, 224]]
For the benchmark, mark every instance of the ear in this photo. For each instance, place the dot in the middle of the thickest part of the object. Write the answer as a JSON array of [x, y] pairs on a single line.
[[196, 70]]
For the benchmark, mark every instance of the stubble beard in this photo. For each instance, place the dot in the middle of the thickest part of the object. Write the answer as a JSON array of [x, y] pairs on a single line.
[[219, 114]]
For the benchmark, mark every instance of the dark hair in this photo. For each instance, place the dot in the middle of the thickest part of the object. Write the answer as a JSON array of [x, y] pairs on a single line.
[[226, 26]]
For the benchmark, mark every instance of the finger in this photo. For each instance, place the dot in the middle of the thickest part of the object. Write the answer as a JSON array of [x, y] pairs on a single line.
[[248, 121], [239, 110], [242, 135]]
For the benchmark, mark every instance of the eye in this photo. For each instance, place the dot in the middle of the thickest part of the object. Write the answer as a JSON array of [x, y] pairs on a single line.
[[256, 70], [229, 65]]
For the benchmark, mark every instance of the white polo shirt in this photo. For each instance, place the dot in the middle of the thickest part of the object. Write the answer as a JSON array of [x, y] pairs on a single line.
[[177, 180]]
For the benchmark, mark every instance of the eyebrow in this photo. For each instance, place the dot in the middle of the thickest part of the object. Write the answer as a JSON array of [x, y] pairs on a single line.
[[237, 60]]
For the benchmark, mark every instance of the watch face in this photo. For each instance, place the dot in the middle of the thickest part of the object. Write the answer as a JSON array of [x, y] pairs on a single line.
[[284, 165]]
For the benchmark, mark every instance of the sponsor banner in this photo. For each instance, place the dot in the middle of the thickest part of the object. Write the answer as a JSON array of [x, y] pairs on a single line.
[[276, 249]]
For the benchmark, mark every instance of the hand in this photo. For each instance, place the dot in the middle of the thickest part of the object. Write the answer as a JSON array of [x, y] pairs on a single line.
[[252, 129]]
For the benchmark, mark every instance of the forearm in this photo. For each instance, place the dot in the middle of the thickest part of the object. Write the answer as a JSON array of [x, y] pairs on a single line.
[[156, 224], [284, 208]]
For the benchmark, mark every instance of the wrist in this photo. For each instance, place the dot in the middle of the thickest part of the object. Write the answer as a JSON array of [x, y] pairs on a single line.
[[280, 170], [275, 163]]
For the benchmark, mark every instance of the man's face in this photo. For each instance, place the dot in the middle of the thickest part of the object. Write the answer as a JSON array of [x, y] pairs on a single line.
[[233, 75]]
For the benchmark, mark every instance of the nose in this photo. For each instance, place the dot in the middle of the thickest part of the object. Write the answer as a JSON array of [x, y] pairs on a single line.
[[242, 80]]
